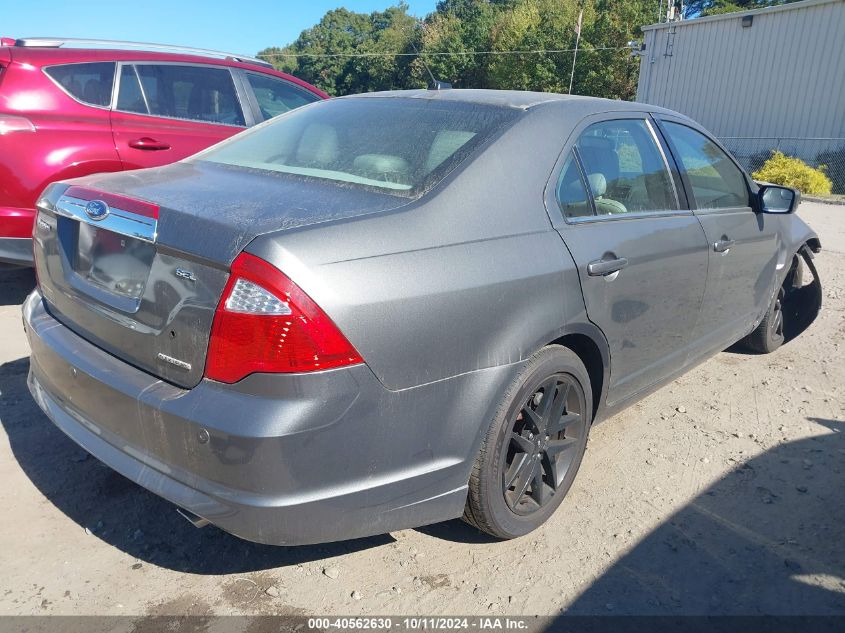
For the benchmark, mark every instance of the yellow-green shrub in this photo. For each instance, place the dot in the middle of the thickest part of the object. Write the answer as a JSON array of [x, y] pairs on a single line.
[[788, 171]]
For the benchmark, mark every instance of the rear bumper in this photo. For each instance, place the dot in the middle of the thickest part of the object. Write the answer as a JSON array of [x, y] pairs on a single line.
[[16, 251], [299, 459], [16, 235]]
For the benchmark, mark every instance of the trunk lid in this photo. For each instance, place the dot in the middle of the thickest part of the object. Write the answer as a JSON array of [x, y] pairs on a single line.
[[141, 275]]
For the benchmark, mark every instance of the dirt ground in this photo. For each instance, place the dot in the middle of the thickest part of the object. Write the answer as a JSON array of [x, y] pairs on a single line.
[[723, 493]]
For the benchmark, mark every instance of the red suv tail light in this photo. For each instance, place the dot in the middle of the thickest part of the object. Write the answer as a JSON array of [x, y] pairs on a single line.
[[266, 323]]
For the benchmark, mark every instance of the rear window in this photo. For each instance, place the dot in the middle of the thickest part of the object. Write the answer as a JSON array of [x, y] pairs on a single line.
[[401, 146], [90, 83]]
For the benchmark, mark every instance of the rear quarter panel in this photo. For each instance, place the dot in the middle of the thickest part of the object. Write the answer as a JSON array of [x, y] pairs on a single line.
[[469, 277]]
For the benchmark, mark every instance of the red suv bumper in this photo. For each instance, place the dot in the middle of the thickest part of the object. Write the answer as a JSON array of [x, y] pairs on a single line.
[[16, 235]]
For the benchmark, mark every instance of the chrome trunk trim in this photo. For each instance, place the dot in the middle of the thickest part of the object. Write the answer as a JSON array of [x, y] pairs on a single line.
[[117, 221]]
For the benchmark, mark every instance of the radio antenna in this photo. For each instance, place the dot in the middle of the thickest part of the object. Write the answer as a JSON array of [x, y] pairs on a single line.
[[436, 84]]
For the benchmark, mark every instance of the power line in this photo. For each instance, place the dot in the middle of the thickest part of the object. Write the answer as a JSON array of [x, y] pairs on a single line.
[[445, 54]]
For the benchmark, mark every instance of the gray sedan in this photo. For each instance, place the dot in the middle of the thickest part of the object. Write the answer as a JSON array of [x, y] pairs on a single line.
[[393, 309]]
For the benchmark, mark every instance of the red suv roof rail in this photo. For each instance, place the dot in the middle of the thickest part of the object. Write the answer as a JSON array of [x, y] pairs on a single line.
[[71, 42]]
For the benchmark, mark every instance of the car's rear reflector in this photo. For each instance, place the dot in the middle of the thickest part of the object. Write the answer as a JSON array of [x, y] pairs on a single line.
[[266, 323], [249, 298]]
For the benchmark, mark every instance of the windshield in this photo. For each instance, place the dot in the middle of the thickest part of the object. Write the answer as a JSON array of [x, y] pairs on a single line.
[[397, 145]]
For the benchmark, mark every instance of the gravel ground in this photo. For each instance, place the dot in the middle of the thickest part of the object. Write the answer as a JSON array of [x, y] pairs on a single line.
[[722, 494]]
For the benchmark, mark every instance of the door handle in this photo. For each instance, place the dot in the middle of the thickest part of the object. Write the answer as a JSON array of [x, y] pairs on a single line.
[[147, 143], [601, 267], [723, 245]]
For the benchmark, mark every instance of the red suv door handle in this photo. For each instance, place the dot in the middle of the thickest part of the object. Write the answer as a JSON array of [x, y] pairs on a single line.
[[148, 143]]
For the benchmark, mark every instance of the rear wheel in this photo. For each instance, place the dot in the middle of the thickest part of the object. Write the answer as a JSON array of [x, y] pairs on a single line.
[[534, 446]]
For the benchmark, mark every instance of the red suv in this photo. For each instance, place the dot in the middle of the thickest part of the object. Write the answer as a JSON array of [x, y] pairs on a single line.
[[70, 108]]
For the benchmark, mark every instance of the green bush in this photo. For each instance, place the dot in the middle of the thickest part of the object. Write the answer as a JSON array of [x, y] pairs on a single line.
[[835, 161], [785, 170]]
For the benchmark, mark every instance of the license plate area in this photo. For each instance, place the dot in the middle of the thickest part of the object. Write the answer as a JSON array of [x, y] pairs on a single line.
[[106, 248], [115, 263], [98, 270]]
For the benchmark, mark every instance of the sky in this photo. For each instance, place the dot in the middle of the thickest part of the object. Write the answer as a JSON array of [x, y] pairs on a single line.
[[238, 27]]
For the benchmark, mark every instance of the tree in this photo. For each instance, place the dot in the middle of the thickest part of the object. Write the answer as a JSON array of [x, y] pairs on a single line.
[[392, 31], [450, 38], [350, 52], [534, 25], [474, 44], [612, 72]]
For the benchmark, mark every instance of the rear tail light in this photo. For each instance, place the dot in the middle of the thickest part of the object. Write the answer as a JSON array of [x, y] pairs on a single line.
[[10, 123], [266, 323]]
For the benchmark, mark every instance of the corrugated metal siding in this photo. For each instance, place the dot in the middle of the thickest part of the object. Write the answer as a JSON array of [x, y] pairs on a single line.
[[783, 76]]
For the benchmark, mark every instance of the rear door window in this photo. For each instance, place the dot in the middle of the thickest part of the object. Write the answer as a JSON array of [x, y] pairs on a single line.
[[717, 183], [196, 93], [624, 168], [90, 83], [571, 192], [276, 96], [130, 97]]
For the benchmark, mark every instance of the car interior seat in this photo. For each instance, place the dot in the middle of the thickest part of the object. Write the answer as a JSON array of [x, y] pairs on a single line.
[[95, 92], [384, 167], [604, 206], [318, 146], [600, 159], [72, 86], [445, 143], [599, 156]]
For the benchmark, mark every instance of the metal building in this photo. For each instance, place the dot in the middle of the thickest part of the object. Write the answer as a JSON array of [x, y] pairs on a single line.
[[760, 80]]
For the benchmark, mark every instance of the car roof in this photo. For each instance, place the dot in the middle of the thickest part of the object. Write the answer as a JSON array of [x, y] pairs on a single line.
[[54, 55], [519, 99]]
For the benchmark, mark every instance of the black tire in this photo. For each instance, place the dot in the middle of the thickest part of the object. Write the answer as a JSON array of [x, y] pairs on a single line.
[[527, 437], [795, 278], [768, 336]]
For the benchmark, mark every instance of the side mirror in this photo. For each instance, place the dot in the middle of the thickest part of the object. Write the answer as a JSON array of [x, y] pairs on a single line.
[[777, 199]]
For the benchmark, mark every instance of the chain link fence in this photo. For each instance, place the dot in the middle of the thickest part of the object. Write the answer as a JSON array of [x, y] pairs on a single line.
[[830, 152]]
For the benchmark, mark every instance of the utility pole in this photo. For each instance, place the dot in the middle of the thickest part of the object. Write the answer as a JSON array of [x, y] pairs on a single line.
[[575, 54]]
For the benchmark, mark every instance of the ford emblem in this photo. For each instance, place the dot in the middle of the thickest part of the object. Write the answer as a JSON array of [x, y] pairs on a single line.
[[97, 210]]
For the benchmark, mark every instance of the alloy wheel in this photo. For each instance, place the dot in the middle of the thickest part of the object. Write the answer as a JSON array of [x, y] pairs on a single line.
[[543, 439], [776, 327]]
